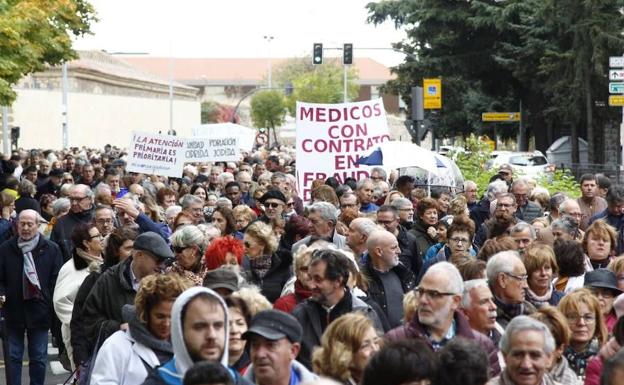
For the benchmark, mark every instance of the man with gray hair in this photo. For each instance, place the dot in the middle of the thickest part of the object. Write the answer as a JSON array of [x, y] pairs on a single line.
[[481, 212], [82, 210], [564, 228], [526, 346], [523, 235], [359, 230], [323, 216], [378, 174], [193, 206], [470, 192], [527, 210], [364, 190], [479, 307], [406, 212], [439, 319], [507, 277]]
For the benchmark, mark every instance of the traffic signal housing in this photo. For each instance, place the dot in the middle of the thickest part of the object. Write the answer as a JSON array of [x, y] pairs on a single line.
[[347, 53], [317, 53]]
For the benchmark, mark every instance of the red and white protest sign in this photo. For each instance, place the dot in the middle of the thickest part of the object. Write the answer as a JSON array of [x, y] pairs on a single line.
[[332, 137]]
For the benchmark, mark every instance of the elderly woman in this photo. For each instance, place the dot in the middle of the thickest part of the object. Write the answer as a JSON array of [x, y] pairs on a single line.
[[239, 319], [572, 264], [26, 200], [126, 356], [264, 266], [88, 249], [603, 284], [199, 190], [586, 322], [224, 251], [558, 324], [346, 346], [301, 288], [189, 245], [541, 265], [599, 243], [424, 225], [564, 228], [243, 216]]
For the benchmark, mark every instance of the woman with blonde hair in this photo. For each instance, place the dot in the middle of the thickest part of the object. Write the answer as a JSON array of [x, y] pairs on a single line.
[[346, 346], [617, 266], [263, 264], [126, 356], [392, 195], [558, 324], [589, 332], [599, 243], [541, 267]]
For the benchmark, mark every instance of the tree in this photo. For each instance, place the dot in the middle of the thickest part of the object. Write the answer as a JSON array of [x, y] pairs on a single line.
[[213, 112], [34, 33], [268, 110], [325, 84]]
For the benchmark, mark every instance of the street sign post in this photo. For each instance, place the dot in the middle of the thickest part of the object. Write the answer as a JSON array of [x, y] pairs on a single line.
[[616, 88], [500, 116], [616, 62], [616, 74], [616, 100], [432, 93]]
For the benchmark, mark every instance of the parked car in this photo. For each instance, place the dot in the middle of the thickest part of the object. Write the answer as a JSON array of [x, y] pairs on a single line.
[[532, 164]]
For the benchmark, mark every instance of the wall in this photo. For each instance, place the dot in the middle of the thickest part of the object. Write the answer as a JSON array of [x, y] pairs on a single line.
[[96, 119]]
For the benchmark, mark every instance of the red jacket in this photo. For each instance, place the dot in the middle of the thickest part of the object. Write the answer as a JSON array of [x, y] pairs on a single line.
[[288, 302]]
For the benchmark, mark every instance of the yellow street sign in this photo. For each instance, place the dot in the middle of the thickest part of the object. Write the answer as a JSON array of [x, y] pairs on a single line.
[[500, 116], [616, 100], [432, 92]]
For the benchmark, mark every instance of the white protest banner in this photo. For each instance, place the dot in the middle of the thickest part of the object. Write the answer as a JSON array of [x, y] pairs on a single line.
[[332, 137], [213, 149], [156, 154]]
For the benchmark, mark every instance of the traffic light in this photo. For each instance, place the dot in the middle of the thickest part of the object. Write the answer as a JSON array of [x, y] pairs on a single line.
[[317, 53], [347, 54]]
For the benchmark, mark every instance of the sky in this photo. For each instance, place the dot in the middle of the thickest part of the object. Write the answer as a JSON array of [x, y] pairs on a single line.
[[236, 28]]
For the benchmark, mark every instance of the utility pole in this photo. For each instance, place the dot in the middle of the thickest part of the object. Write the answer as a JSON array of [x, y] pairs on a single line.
[[64, 106], [269, 39]]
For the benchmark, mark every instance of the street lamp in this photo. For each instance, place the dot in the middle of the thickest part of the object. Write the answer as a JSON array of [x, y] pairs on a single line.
[[268, 39]]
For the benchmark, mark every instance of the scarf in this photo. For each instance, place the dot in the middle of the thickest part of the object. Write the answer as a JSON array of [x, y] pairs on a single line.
[[141, 334], [504, 379], [196, 278], [260, 265], [539, 300], [88, 257], [31, 286], [509, 310], [578, 360]]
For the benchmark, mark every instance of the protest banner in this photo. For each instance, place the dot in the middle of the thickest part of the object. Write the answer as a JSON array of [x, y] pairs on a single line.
[[332, 137], [213, 149], [156, 154]]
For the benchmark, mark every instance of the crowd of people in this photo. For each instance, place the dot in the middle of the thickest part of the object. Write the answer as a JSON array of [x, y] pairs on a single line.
[[227, 276]]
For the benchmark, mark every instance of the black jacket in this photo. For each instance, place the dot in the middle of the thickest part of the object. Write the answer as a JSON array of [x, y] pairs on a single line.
[[26, 202], [409, 250], [61, 233], [375, 286], [34, 313], [279, 273], [423, 240], [314, 320], [80, 344], [480, 212], [102, 308]]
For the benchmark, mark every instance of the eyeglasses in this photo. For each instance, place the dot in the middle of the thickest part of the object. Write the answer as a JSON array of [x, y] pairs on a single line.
[[460, 240], [575, 318], [504, 205], [290, 204], [347, 205], [385, 222], [407, 209], [604, 293], [272, 205], [98, 235], [178, 249], [433, 294], [77, 199], [518, 277]]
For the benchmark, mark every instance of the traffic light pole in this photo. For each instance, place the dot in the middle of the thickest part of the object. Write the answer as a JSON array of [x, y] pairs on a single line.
[[345, 70]]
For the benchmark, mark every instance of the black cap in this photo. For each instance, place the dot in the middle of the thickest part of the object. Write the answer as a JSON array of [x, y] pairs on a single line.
[[57, 172], [118, 163], [273, 194], [602, 278], [275, 325], [153, 243], [221, 278]]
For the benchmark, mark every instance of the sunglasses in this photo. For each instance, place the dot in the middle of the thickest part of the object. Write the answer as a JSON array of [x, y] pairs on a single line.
[[178, 249], [273, 205]]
